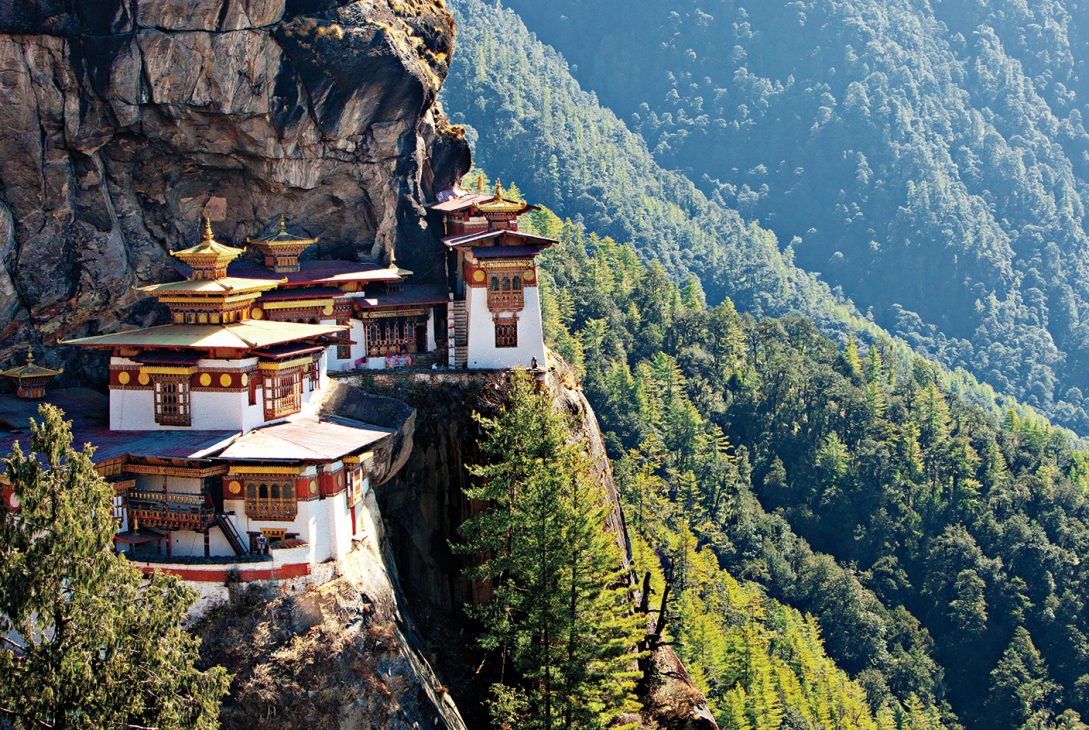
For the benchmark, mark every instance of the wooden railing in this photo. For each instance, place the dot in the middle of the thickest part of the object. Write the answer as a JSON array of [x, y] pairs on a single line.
[[170, 511], [505, 300]]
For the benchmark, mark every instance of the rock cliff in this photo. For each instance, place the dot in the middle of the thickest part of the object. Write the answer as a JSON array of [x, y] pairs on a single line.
[[125, 120], [423, 504], [340, 654]]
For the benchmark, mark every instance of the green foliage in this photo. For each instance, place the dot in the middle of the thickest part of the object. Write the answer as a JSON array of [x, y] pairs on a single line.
[[560, 616], [932, 159], [918, 530], [850, 129], [91, 642]]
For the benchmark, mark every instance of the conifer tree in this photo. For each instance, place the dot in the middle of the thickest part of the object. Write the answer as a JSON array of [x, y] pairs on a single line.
[[89, 641], [559, 619]]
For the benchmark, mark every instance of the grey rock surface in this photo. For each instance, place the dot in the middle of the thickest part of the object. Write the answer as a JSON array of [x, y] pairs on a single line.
[[126, 120]]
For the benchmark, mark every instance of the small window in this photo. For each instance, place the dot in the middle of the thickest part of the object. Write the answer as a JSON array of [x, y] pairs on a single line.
[[270, 500], [283, 393], [506, 333], [505, 292], [172, 401]]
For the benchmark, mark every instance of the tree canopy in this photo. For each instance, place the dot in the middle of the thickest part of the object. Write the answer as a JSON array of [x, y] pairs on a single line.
[[90, 642]]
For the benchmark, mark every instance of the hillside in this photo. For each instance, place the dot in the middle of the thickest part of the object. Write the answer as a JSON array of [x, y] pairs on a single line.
[[941, 550], [929, 159]]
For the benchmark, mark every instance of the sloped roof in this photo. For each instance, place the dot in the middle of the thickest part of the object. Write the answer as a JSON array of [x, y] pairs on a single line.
[[326, 272], [478, 237], [240, 335], [305, 438], [225, 285]]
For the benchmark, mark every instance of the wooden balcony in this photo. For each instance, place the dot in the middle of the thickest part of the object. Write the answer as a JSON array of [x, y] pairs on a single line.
[[506, 301], [169, 511]]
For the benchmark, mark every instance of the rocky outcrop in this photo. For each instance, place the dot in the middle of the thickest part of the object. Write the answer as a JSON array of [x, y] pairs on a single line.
[[125, 120], [340, 654], [423, 505]]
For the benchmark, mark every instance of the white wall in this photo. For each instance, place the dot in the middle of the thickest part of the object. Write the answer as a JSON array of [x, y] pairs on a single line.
[[482, 350], [134, 409], [359, 348]]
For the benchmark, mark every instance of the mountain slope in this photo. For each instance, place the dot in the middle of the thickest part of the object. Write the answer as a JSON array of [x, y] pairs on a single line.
[[931, 159]]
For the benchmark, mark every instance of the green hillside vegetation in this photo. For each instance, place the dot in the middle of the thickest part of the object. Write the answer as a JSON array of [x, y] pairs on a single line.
[[931, 159], [942, 550], [583, 160]]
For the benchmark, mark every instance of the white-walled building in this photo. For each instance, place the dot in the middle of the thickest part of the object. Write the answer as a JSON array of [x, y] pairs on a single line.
[[495, 309]]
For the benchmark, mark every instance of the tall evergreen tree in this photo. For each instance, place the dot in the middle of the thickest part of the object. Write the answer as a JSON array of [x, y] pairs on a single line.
[[90, 642], [559, 618]]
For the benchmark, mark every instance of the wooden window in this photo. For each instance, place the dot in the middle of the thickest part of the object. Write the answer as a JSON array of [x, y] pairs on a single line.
[[283, 393], [506, 333], [344, 344], [172, 401], [391, 336], [270, 500], [356, 483], [505, 290], [313, 375]]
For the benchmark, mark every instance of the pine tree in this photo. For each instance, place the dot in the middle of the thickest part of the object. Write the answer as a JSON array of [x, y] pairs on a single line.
[[559, 616], [1020, 687], [90, 642]]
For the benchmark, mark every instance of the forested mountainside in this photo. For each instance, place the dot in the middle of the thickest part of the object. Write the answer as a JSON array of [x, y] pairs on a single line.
[[929, 158], [942, 551]]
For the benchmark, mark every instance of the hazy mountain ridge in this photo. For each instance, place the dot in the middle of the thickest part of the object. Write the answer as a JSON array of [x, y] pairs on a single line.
[[930, 159]]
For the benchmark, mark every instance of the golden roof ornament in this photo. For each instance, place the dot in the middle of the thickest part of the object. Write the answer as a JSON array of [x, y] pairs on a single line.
[[31, 377], [499, 206], [209, 258], [480, 182]]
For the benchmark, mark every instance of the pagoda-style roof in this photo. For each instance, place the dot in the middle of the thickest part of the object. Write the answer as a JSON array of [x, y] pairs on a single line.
[[226, 285], [499, 238], [30, 369], [209, 253], [245, 335], [282, 238]]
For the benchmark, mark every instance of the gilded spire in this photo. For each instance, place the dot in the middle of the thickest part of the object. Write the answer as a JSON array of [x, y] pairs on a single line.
[[283, 224], [498, 189], [209, 258], [480, 182]]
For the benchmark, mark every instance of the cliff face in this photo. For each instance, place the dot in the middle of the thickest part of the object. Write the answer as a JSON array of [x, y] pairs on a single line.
[[341, 654], [423, 505], [125, 120]]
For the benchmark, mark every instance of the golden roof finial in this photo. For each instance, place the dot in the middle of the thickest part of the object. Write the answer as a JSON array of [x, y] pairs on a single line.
[[498, 189], [29, 356], [283, 223], [207, 230]]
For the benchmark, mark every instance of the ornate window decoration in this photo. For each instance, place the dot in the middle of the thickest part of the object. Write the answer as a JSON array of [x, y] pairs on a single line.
[[270, 499], [344, 344], [391, 336], [506, 332], [283, 393], [356, 486], [172, 401], [313, 375], [505, 291]]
